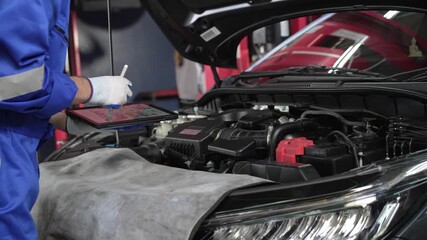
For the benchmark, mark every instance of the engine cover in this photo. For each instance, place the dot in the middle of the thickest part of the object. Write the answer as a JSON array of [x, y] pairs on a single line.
[[192, 139]]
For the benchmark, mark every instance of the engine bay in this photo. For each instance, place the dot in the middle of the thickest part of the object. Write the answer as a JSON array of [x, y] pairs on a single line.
[[281, 137], [279, 143]]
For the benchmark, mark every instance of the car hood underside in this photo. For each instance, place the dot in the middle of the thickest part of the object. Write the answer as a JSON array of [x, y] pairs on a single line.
[[210, 31]]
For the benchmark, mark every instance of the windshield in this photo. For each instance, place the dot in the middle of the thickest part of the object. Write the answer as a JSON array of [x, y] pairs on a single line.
[[386, 42]]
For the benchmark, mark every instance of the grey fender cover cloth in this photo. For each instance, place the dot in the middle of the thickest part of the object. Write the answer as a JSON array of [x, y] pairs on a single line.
[[116, 194]]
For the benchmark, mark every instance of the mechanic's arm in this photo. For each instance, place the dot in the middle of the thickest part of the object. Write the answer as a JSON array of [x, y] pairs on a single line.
[[84, 93], [27, 84], [84, 90]]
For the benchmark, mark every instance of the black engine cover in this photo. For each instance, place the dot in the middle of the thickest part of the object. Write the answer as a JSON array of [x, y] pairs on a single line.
[[192, 139]]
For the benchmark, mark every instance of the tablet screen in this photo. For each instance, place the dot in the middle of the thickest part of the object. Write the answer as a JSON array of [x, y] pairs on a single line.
[[128, 114]]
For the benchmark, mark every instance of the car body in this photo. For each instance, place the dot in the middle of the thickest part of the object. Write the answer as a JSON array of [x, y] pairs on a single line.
[[334, 117]]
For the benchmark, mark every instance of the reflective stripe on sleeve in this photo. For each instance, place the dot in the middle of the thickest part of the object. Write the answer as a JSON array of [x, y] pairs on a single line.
[[21, 83]]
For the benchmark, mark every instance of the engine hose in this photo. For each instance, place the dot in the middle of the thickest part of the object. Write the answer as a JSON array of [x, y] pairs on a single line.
[[333, 114], [349, 143], [287, 128], [172, 154], [260, 136]]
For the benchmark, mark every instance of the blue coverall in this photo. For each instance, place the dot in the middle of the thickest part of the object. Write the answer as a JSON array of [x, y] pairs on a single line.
[[33, 43]]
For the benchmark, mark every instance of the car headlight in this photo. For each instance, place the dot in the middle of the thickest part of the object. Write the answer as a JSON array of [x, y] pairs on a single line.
[[364, 212], [345, 224]]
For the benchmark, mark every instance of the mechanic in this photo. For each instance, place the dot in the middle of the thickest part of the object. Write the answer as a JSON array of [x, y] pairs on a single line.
[[33, 87]]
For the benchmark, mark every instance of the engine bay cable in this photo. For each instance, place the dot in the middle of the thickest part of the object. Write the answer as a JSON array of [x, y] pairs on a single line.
[[347, 142], [332, 114]]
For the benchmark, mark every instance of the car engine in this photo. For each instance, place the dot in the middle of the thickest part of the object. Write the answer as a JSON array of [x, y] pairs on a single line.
[[281, 143]]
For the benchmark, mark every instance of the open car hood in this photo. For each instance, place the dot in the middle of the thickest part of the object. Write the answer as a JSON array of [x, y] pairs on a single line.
[[209, 31]]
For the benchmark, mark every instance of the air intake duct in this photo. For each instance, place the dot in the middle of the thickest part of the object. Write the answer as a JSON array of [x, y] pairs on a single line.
[[259, 136]]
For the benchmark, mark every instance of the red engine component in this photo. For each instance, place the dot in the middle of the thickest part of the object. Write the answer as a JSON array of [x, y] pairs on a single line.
[[288, 150]]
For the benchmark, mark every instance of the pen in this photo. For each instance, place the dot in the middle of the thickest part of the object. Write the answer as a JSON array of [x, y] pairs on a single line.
[[125, 68]]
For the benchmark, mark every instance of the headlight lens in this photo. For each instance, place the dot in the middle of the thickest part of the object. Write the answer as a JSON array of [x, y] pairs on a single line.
[[365, 212], [346, 224]]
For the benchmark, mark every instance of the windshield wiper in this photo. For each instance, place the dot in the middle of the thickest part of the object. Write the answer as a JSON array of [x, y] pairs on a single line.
[[311, 70]]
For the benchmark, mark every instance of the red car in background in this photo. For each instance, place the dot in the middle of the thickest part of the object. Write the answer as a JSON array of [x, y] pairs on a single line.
[[384, 42]]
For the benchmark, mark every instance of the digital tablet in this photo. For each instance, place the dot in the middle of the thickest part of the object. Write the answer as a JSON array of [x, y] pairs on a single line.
[[131, 114]]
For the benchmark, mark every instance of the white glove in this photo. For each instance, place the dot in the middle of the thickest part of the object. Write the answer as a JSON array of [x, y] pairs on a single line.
[[110, 90]]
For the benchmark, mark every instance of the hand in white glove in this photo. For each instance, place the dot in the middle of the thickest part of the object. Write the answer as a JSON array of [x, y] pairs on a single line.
[[110, 90]]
